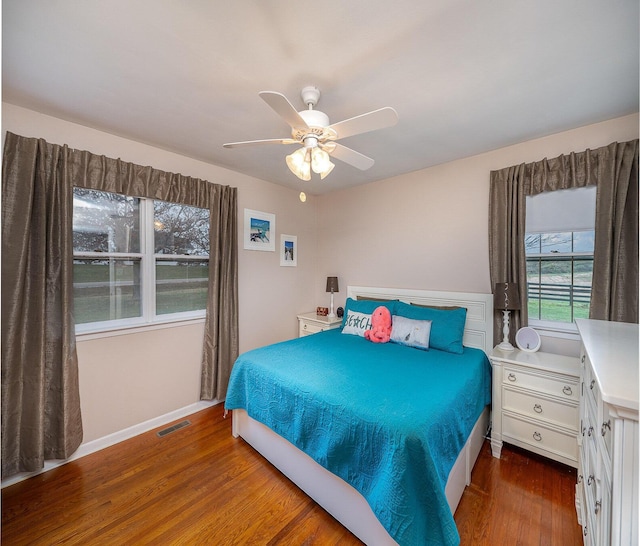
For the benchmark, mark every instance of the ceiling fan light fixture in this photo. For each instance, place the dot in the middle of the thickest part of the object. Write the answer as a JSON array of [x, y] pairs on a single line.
[[328, 169], [298, 164], [320, 161], [307, 159]]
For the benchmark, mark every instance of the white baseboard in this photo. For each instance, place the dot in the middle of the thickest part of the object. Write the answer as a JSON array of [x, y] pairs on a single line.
[[114, 438]]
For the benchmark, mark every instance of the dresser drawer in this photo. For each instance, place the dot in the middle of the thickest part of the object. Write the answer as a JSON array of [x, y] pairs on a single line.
[[606, 431], [307, 328], [541, 408], [590, 444], [539, 436], [311, 323], [550, 384], [591, 389]]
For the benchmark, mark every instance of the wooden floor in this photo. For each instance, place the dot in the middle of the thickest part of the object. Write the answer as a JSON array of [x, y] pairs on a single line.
[[199, 485]]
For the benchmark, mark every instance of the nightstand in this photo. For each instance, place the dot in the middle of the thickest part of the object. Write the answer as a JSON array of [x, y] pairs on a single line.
[[310, 323], [536, 403]]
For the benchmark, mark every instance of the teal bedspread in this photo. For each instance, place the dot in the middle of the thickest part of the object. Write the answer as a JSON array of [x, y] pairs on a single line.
[[388, 419]]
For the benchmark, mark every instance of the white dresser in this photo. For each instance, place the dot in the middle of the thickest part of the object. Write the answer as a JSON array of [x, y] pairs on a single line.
[[311, 323], [535, 403], [607, 489]]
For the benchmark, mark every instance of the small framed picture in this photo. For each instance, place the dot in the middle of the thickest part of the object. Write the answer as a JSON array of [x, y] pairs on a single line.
[[288, 250], [259, 230]]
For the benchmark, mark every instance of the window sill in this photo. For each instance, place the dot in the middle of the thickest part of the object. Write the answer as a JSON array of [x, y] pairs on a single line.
[[138, 328], [557, 330]]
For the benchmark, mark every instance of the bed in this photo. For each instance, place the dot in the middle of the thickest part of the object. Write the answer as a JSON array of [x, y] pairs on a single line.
[[382, 436]]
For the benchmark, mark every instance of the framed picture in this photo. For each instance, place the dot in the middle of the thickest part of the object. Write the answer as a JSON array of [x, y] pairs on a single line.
[[288, 250], [259, 230]]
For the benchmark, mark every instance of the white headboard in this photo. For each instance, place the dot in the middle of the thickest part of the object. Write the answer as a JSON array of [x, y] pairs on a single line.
[[478, 329]]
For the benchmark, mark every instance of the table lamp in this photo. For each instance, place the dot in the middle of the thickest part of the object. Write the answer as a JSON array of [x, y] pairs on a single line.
[[332, 286], [506, 297]]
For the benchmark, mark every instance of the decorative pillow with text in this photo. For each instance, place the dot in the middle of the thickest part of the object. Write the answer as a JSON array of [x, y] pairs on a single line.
[[356, 323]]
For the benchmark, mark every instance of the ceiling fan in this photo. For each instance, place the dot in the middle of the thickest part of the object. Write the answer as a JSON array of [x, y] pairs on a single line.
[[311, 129]]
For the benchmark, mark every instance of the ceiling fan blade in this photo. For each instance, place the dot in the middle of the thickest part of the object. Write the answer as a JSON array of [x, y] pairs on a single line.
[[378, 119], [260, 142], [284, 109], [353, 158]]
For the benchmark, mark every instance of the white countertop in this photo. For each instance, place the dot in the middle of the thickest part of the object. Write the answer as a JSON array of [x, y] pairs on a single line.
[[613, 351]]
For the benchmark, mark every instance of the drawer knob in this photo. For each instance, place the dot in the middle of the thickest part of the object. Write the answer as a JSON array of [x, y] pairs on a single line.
[[582, 359], [590, 432], [585, 530], [537, 436], [511, 377], [590, 479], [591, 385], [606, 425], [597, 507], [537, 408], [567, 390], [305, 326]]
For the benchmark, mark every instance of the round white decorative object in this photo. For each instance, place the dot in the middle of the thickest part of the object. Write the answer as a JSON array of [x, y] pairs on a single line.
[[527, 339]]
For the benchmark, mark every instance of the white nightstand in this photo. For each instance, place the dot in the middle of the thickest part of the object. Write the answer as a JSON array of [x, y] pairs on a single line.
[[536, 403], [310, 323]]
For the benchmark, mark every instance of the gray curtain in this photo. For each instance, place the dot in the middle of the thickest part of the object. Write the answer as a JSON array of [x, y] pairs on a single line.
[[506, 242], [40, 400], [614, 169], [615, 263], [40, 396]]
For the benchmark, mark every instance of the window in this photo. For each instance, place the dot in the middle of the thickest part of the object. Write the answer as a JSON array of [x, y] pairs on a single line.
[[137, 261], [559, 245], [559, 272]]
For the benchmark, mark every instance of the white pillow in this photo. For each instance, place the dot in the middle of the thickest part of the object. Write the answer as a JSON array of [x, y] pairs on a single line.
[[411, 332], [356, 323]]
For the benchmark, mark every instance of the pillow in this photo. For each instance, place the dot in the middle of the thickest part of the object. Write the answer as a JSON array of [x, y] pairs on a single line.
[[445, 307], [447, 326], [356, 323], [411, 332], [367, 307]]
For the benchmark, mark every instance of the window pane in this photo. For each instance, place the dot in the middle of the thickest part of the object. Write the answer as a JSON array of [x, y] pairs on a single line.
[[583, 241], [582, 280], [105, 222], [555, 290], [558, 279], [106, 290], [533, 287], [180, 229], [532, 243], [181, 285], [551, 243]]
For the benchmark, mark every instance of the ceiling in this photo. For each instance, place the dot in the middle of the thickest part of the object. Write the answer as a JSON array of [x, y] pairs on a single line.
[[464, 76]]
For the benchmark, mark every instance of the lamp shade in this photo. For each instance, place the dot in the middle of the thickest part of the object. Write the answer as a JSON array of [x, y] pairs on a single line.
[[506, 296], [332, 284], [298, 164]]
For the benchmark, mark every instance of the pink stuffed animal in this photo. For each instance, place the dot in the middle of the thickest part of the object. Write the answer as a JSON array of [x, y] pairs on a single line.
[[380, 326]]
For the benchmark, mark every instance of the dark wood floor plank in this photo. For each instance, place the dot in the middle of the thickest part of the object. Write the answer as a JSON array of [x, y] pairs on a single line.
[[199, 485]]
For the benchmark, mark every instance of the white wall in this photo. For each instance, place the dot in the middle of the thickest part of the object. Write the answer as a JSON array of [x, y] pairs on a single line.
[[429, 229], [126, 380]]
